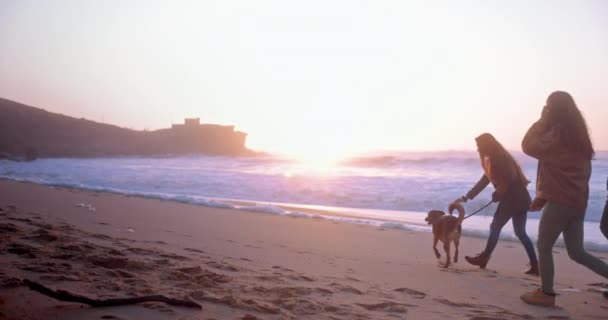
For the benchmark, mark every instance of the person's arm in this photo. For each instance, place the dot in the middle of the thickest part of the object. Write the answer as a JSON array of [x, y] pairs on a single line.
[[604, 221], [479, 186], [538, 140]]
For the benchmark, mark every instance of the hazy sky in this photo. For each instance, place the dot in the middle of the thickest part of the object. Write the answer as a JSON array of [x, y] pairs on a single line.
[[312, 78]]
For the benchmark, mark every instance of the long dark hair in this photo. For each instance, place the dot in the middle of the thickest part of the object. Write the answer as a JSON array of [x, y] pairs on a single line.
[[504, 163], [564, 115]]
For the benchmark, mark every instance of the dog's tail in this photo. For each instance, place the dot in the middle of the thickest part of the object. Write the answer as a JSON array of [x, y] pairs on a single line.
[[457, 206]]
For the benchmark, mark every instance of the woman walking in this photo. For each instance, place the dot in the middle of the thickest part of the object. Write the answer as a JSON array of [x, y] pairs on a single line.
[[501, 169], [560, 141]]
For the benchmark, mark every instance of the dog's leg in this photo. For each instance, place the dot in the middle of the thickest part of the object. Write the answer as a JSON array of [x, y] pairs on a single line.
[[435, 240], [456, 243], [446, 247]]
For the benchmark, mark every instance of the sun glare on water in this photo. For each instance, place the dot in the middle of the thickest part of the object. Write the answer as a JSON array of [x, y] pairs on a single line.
[[321, 164]]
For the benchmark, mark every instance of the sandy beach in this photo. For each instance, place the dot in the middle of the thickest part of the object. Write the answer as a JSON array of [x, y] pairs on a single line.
[[242, 265]]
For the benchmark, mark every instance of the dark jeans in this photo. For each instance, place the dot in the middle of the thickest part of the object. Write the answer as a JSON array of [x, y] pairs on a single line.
[[514, 205], [604, 222], [559, 219]]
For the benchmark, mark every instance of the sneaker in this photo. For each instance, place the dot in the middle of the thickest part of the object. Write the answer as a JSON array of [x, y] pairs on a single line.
[[538, 298], [480, 260], [533, 270]]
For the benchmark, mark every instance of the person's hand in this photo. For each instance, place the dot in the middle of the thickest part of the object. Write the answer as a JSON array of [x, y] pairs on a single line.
[[537, 204], [460, 200], [496, 196], [544, 112], [543, 122]]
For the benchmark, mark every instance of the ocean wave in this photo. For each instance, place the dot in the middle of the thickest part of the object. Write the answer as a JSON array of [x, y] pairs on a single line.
[[475, 227], [395, 161]]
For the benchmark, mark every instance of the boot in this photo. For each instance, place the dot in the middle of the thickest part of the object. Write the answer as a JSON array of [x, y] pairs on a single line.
[[533, 270], [480, 260], [539, 298]]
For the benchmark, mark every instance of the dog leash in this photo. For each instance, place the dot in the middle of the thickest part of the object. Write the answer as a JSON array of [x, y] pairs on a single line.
[[476, 212]]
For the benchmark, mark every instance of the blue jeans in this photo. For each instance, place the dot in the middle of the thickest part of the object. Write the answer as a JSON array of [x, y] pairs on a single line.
[[514, 206]]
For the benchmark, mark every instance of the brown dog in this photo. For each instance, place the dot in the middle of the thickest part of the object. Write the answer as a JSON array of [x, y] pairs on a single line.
[[446, 229]]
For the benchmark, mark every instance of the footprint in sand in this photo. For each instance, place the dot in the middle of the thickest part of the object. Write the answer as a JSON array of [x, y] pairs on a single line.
[[22, 250], [497, 313], [415, 293], [273, 279], [110, 317], [455, 304], [194, 250], [301, 278], [345, 288], [119, 273], [58, 278], [387, 306], [175, 257], [158, 306], [222, 266], [191, 270], [8, 228], [101, 236], [282, 268], [451, 270], [142, 251]]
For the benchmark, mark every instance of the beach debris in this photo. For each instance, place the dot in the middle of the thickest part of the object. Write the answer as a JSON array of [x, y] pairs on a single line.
[[63, 295], [88, 206]]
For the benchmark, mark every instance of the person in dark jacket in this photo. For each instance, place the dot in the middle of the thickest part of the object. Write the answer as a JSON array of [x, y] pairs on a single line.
[[604, 225], [560, 141], [604, 222], [501, 169]]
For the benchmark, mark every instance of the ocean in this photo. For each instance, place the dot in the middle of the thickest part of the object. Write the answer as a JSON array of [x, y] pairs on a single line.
[[386, 190]]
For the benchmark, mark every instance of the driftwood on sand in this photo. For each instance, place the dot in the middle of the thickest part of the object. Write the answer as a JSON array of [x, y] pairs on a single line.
[[63, 295]]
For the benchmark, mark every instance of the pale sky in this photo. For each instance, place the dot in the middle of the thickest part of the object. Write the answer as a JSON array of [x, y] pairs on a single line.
[[312, 78]]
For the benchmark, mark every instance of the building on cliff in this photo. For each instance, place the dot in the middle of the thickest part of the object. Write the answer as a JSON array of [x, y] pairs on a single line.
[[215, 139], [32, 132]]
